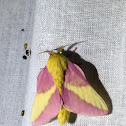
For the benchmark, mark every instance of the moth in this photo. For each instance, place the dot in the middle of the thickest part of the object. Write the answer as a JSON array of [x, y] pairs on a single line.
[[62, 88]]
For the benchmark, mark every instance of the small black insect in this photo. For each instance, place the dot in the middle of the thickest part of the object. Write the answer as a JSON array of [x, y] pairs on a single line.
[[24, 57], [22, 29], [28, 52]]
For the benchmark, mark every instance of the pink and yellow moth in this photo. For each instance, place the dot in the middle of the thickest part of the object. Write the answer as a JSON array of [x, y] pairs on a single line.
[[63, 88]]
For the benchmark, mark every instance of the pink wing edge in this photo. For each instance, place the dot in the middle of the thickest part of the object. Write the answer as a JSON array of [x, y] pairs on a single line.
[[72, 101], [44, 83]]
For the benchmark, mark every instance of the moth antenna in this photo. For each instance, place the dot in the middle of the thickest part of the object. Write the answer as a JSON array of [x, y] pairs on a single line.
[[49, 52], [71, 45], [62, 47]]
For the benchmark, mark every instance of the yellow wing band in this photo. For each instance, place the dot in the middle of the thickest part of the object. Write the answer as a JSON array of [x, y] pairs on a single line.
[[88, 94], [40, 102]]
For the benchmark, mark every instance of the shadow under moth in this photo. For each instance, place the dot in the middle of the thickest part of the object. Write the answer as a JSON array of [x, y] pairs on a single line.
[[62, 88]]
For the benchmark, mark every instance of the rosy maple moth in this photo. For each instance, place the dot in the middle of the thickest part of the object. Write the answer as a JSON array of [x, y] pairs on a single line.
[[62, 88]]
